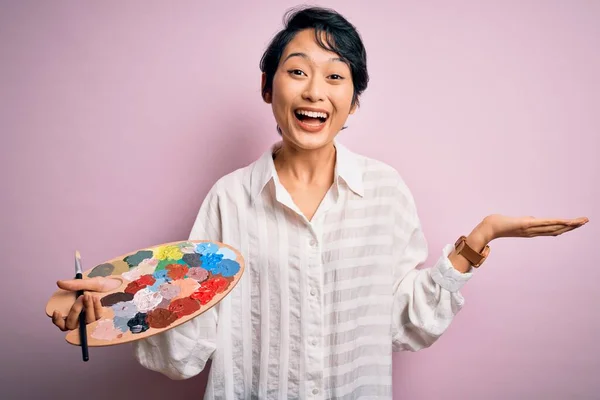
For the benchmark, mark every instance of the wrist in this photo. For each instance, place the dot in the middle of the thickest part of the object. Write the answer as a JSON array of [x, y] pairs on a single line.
[[480, 236]]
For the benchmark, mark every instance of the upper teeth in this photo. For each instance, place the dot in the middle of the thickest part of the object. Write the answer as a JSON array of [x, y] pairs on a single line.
[[312, 114]]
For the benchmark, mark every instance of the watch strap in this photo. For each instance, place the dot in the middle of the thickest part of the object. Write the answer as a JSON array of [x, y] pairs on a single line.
[[474, 257]]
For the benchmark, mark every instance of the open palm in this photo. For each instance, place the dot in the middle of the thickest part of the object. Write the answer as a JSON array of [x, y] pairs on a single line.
[[504, 226]]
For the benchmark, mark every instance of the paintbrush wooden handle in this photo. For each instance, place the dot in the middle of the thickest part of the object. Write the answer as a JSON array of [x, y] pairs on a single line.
[[82, 327], [83, 336]]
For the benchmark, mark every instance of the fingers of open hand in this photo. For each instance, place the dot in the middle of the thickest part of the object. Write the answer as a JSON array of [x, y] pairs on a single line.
[[90, 310], [88, 304], [92, 284], [566, 222], [563, 230], [96, 284], [549, 230], [551, 227], [97, 306], [70, 321], [531, 222], [73, 317], [91, 307], [59, 320]]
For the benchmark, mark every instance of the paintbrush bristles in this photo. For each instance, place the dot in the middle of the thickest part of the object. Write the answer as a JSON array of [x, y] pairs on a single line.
[[78, 262]]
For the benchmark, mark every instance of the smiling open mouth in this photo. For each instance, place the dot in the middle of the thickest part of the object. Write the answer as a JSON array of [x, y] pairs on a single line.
[[312, 118]]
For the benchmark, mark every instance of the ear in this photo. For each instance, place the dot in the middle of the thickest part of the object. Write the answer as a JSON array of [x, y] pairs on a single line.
[[267, 96], [354, 107]]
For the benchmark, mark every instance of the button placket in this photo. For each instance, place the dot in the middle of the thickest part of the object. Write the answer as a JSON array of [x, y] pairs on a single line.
[[313, 350]]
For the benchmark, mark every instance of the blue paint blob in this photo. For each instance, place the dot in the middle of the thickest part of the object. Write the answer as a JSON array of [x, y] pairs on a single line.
[[206, 248], [227, 253], [124, 309], [156, 286], [161, 274], [210, 262], [121, 323], [228, 268]]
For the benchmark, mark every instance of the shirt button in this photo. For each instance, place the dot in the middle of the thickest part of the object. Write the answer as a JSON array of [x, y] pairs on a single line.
[[313, 292], [314, 342], [315, 391], [313, 242]]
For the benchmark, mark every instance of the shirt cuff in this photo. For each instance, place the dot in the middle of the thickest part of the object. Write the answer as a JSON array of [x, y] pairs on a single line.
[[445, 275]]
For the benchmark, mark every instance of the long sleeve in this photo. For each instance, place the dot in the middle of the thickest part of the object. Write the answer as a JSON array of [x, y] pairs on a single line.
[[182, 352], [425, 300]]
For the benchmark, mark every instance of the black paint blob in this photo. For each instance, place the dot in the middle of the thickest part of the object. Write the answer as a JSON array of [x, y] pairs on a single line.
[[138, 323], [193, 260]]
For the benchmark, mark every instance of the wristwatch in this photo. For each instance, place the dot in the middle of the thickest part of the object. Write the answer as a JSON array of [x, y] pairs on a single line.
[[475, 258]]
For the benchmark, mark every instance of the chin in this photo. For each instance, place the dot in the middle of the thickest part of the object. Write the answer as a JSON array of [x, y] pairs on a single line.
[[309, 141]]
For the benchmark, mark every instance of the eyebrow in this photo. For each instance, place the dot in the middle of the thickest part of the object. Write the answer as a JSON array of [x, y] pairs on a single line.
[[306, 57]]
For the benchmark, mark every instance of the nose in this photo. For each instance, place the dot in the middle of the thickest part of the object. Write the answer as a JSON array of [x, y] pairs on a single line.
[[314, 90]]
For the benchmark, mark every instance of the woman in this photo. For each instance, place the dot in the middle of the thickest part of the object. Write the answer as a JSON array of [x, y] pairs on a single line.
[[331, 241]]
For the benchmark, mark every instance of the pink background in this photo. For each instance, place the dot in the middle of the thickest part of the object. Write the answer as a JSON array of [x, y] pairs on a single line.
[[116, 117]]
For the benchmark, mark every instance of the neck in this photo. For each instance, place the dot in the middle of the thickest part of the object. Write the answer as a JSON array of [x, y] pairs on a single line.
[[306, 166]]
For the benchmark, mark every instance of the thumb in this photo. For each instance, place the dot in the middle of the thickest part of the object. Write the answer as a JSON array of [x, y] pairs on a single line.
[[97, 284]]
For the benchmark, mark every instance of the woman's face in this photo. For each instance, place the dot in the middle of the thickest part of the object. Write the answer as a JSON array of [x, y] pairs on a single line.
[[312, 93]]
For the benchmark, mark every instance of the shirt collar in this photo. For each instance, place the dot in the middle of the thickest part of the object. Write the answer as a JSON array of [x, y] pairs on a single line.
[[347, 168]]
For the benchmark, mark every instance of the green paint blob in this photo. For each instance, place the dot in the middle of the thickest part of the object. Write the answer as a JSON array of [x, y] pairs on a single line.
[[163, 263], [102, 270], [135, 259]]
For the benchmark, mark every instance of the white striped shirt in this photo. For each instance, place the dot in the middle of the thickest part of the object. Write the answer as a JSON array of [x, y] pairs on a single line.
[[322, 303]]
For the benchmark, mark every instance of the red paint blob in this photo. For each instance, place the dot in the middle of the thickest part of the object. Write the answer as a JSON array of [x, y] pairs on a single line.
[[160, 318], [209, 288], [176, 271], [217, 284], [203, 295], [133, 287], [185, 306], [148, 280], [140, 283]]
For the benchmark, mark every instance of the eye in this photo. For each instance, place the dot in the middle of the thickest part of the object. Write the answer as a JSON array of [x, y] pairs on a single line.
[[336, 77], [296, 72]]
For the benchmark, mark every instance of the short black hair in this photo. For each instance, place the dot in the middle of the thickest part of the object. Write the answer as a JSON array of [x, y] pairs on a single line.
[[341, 37]]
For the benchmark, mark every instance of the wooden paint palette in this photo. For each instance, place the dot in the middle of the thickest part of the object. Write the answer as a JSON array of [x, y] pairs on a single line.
[[161, 287]]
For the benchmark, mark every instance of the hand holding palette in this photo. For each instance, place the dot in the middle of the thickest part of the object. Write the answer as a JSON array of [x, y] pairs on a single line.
[[161, 287]]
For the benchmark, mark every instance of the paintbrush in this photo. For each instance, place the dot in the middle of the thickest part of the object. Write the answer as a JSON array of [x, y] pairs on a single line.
[[82, 324]]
